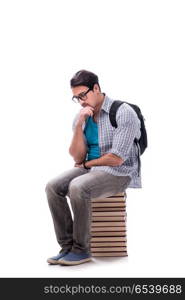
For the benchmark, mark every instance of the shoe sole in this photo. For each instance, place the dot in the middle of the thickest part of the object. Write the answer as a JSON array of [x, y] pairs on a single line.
[[52, 261], [72, 263]]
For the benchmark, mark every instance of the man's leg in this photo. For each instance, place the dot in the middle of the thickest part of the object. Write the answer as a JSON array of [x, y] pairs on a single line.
[[81, 189], [56, 190]]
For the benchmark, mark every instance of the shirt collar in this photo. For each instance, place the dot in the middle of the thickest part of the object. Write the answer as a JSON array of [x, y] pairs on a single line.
[[106, 103]]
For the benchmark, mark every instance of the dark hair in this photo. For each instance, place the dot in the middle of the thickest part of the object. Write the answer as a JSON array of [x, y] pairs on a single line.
[[84, 77]]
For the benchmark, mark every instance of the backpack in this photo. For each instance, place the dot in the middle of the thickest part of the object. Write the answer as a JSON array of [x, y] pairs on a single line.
[[142, 142]]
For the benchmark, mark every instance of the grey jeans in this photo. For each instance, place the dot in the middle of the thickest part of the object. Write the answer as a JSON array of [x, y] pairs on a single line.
[[80, 185]]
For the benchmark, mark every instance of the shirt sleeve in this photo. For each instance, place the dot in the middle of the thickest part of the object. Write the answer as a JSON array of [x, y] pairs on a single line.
[[128, 127]]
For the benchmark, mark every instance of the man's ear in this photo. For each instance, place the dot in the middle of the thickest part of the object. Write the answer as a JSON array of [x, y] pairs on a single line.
[[96, 87]]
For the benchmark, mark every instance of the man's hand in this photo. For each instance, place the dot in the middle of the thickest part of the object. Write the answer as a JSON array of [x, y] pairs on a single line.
[[85, 112], [78, 165]]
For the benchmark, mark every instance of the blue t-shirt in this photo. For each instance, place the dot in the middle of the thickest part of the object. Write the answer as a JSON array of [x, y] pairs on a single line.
[[91, 134]]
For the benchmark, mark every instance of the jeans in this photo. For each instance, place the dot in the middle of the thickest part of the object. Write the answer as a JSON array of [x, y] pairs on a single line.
[[80, 185]]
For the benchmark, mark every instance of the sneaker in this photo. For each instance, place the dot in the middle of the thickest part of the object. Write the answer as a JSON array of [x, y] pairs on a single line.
[[54, 259], [72, 258]]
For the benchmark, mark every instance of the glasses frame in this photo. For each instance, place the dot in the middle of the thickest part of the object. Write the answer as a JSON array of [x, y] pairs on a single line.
[[83, 97]]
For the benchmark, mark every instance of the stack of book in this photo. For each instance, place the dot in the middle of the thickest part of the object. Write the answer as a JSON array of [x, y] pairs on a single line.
[[108, 226]]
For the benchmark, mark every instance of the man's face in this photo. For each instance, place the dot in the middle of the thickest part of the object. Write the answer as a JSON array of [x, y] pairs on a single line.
[[90, 98]]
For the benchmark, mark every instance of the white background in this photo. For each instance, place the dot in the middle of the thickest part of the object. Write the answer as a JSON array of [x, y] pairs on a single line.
[[137, 49]]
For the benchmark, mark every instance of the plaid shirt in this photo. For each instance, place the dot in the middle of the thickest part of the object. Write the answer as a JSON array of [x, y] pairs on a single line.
[[119, 141]]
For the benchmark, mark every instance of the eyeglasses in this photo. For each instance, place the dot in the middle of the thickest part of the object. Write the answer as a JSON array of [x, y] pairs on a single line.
[[82, 96]]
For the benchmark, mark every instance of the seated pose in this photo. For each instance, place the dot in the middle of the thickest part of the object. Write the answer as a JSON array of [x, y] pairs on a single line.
[[105, 164]]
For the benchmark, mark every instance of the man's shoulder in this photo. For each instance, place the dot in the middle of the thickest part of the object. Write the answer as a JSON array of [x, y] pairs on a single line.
[[126, 114], [123, 107], [126, 109]]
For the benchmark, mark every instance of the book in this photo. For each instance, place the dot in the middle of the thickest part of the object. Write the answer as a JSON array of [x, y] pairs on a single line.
[[103, 229], [111, 234], [124, 253], [108, 239], [108, 213], [108, 244], [115, 218], [112, 200], [118, 195], [108, 209], [107, 204], [102, 224], [108, 249]]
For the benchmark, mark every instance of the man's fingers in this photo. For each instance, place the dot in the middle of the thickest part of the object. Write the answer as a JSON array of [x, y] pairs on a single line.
[[88, 107]]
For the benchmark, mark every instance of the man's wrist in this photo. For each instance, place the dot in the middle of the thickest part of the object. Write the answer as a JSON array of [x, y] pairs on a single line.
[[87, 168]]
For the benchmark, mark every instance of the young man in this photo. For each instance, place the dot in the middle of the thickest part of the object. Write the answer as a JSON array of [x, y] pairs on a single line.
[[106, 163]]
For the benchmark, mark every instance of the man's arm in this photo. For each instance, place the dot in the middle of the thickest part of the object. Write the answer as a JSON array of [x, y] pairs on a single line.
[[78, 148], [108, 159]]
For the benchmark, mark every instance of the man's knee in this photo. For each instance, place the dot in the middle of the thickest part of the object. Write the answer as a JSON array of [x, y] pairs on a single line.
[[48, 187], [76, 187], [55, 188]]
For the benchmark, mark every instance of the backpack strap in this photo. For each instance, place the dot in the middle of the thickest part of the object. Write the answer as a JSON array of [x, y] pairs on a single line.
[[112, 113]]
